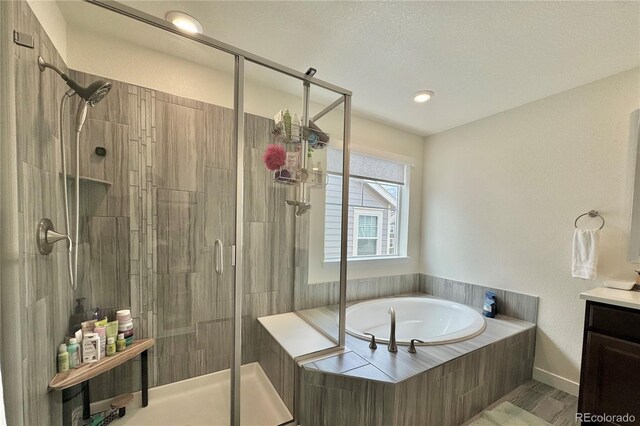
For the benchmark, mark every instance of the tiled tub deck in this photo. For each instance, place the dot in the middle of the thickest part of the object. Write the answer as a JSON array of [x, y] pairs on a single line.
[[439, 385]]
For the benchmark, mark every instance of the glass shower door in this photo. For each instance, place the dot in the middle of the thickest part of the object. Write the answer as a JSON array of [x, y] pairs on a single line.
[[280, 213], [264, 262]]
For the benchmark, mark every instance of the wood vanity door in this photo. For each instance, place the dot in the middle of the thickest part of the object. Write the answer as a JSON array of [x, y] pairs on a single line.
[[611, 383]]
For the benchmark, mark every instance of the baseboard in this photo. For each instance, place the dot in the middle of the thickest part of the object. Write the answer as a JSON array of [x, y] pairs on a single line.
[[558, 382]]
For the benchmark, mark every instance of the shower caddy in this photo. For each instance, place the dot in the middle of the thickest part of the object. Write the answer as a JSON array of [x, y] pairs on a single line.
[[302, 139]]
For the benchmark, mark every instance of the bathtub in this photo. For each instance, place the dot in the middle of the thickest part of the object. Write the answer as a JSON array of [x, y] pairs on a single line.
[[434, 321]]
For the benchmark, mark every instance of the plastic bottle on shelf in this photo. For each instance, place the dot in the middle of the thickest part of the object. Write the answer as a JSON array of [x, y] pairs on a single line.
[[125, 325], [74, 353], [295, 128], [111, 346], [121, 344], [287, 124], [63, 358], [317, 174]]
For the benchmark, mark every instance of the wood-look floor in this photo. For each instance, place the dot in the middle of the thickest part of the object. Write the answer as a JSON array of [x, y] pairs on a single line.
[[548, 403]]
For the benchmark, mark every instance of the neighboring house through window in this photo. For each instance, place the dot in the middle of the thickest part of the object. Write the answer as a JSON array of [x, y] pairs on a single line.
[[368, 234], [376, 191]]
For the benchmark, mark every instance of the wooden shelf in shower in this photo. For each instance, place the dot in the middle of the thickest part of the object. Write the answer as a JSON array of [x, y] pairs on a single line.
[[89, 180], [88, 371]]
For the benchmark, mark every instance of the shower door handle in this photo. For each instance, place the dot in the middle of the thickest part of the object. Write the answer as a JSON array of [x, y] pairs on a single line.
[[218, 252]]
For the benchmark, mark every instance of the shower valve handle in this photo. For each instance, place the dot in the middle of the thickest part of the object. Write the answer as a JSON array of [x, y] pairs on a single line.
[[54, 237], [47, 237]]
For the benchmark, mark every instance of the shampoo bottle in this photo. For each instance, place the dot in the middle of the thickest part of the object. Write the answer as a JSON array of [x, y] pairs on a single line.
[[317, 174], [111, 346], [121, 344], [287, 124], [74, 353], [78, 316], [489, 309], [295, 128], [63, 359]]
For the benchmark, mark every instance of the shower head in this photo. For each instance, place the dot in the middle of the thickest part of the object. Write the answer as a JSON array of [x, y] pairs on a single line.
[[92, 94], [301, 206], [302, 209]]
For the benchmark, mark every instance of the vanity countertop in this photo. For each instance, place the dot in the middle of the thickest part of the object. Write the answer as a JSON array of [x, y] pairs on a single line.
[[612, 296]]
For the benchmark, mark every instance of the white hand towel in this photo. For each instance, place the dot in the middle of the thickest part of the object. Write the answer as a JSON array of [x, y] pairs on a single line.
[[585, 254]]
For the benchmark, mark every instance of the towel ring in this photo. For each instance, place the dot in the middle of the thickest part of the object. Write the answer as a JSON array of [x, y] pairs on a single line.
[[590, 213]]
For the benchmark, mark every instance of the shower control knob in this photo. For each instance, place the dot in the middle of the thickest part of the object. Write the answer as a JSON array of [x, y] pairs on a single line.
[[101, 151], [373, 344], [46, 237]]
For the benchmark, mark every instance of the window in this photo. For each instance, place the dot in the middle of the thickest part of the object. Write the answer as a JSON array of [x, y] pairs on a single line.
[[368, 235], [376, 192]]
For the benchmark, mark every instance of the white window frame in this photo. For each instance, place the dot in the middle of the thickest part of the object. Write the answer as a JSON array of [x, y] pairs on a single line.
[[364, 211], [395, 235]]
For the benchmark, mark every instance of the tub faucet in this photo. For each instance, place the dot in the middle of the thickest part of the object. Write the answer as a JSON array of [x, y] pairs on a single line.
[[392, 347]]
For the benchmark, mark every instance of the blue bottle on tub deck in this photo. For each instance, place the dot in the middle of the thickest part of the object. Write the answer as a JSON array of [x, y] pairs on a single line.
[[489, 309]]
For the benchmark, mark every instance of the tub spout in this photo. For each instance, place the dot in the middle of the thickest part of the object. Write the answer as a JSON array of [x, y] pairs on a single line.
[[392, 347]]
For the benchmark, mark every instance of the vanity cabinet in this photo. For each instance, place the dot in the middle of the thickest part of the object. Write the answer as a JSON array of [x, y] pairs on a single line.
[[610, 375]]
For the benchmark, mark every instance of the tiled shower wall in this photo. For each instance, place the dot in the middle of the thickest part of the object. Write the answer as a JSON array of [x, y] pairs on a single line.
[[45, 295], [148, 238]]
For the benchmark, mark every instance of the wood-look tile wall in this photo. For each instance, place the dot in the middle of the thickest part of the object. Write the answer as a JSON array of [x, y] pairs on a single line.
[[456, 391], [328, 399], [45, 292], [308, 296], [515, 305], [279, 367], [179, 198]]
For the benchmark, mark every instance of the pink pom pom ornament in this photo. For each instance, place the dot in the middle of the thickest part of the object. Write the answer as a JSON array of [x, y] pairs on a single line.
[[274, 157]]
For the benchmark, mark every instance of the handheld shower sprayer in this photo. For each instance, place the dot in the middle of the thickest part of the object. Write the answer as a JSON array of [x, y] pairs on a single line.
[[89, 96]]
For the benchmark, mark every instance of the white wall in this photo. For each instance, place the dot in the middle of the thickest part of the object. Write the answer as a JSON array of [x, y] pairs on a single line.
[[53, 22], [501, 195]]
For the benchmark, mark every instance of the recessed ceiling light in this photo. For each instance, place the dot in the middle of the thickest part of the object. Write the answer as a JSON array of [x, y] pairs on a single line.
[[423, 96], [184, 22]]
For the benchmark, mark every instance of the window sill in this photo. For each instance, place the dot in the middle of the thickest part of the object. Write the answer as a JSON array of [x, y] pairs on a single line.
[[369, 259]]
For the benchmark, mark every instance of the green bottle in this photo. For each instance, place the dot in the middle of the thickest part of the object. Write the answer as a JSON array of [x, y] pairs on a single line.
[[63, 359], [287, 124]]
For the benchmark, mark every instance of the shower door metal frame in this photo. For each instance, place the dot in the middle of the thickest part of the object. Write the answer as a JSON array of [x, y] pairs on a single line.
[[138, 15], [238, 136], [10, 283], [240, 57]]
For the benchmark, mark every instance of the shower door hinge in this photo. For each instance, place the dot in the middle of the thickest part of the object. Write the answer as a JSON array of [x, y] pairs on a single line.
[[23, 39], [233, 255]]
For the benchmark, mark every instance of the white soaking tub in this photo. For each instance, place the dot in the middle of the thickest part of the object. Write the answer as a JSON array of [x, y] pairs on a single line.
[[433, 321]]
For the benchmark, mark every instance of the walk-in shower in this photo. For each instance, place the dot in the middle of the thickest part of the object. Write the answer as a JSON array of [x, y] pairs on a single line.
[[181, 222], [90, 95]]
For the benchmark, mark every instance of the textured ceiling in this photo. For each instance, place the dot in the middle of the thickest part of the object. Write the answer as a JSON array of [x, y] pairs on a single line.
[[480, 58]]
